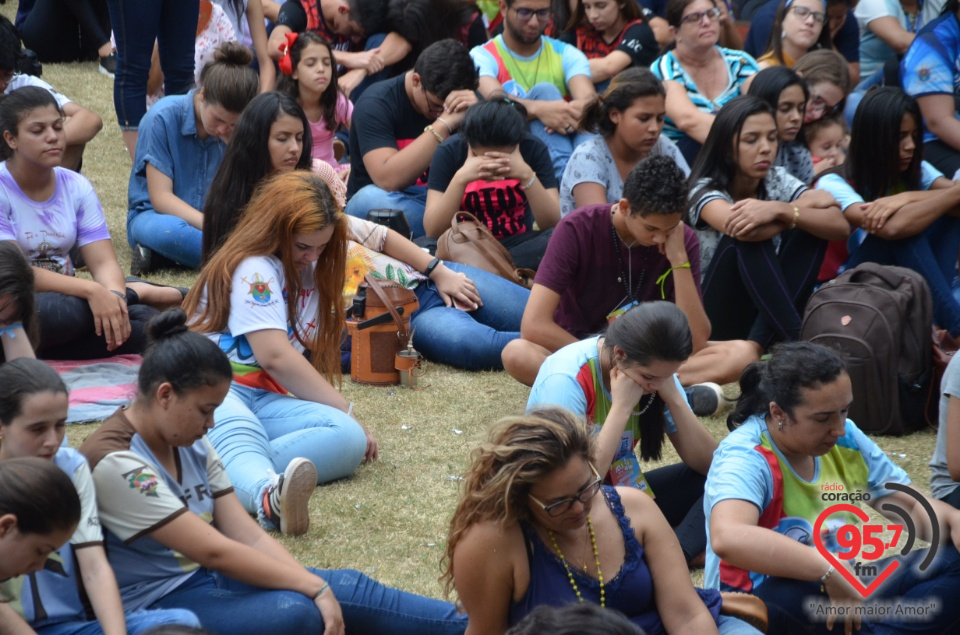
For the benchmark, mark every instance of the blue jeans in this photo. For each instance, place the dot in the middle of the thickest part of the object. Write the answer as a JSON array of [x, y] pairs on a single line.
[[411, 201], [560, 145], [136, 25], [469, 340], [788, 601], [169, 236], [931, 253], [229, 607], [137, 622], [728, 625], [257, 433]]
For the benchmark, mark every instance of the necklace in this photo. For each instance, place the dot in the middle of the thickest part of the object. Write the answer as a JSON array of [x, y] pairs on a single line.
[[527, 84], [596, 556], [626, 273]]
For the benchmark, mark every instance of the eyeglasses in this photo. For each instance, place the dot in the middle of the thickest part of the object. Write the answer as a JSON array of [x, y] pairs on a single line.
[[542, 14], [434, 108], [694, 18], [818, 106], [803, 13], [562, 506]]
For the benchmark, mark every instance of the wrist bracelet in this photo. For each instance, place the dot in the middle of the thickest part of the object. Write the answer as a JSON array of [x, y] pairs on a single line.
[[10, 329], [119, 294], [532, 180], [449, 129], [662, 280], [825, 577], [350, 410], [796, 217], [436, 134], [326, 585], [433, 265]]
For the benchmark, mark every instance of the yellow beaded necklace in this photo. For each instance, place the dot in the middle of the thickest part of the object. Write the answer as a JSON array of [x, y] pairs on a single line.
[[596, 556]]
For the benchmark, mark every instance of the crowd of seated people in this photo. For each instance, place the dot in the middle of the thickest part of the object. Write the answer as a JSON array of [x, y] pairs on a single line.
[[678, 179]]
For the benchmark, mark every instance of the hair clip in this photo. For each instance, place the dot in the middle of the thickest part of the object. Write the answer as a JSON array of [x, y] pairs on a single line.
[[286, 63]]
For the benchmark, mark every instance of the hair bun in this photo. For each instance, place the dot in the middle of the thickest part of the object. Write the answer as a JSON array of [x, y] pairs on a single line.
[[170, 323], [233, 53]]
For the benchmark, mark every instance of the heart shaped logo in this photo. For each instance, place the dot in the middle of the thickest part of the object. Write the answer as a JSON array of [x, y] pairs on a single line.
[[832, 558]]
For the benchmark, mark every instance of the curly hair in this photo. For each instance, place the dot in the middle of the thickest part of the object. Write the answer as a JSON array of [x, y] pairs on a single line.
[[520, 452], [656, 185]]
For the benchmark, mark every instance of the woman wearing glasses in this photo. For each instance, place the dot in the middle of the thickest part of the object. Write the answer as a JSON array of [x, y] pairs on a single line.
[[828, 78], [535, 498], [699, 76], [624, 383], [797, 28]]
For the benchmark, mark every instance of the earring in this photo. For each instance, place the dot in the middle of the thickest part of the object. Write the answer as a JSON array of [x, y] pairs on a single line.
[[780, 425]]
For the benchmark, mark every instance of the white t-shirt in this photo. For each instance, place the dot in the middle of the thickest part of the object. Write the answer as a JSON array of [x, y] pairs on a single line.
[[258, 303], [47, 230], [20, 80]]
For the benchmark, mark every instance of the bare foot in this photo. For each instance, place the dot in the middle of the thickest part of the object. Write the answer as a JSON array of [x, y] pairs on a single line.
[[158, 297]]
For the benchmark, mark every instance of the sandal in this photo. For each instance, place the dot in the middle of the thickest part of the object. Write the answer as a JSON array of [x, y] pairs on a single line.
[[183, 290], [746, 607]]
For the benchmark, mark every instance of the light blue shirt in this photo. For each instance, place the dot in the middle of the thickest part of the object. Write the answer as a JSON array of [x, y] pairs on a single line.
[[168, 141]]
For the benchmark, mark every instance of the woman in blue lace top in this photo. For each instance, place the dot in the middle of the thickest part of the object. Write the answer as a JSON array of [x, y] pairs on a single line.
[[533, 497]]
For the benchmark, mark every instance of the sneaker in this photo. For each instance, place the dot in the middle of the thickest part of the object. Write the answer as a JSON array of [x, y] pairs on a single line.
[[142, 261], [706, 400], [286, 502], [108, 65]]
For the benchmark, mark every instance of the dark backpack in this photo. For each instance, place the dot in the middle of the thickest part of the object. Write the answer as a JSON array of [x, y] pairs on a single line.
[[879, 319]]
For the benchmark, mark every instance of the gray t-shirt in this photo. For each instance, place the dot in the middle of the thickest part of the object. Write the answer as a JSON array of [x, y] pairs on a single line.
[[795, 157], [592, 162], [941, 485]]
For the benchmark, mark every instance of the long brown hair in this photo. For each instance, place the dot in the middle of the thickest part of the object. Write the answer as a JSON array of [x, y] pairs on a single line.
[[520, 452], [297, 202]]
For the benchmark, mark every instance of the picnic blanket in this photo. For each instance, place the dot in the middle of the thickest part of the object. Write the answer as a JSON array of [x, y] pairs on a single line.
[[98, 386]]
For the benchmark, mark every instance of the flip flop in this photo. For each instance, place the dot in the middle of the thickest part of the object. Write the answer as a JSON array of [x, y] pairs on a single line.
[[183, 290]]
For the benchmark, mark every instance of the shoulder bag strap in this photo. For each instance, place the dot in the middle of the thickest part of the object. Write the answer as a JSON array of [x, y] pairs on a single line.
[[401, 325]]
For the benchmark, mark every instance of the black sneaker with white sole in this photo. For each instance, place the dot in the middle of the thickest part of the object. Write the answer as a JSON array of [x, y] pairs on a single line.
[[108, 65], [706, 399]]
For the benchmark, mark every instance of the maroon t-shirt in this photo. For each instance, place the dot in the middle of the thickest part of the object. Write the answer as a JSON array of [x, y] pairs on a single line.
[[581, 265]]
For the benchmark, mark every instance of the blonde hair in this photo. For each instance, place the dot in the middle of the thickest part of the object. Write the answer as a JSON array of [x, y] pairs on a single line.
[[520, 452], [298, 202]]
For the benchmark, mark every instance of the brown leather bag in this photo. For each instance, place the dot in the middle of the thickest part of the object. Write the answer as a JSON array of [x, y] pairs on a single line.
[[380, 328], [469, 242]]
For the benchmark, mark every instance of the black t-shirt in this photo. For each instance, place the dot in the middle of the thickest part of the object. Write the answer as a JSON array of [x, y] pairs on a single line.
[[383, 117], [501, 205], [636, 40]]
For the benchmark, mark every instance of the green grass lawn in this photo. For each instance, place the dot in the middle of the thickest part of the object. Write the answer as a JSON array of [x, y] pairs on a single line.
[[390, 520]]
